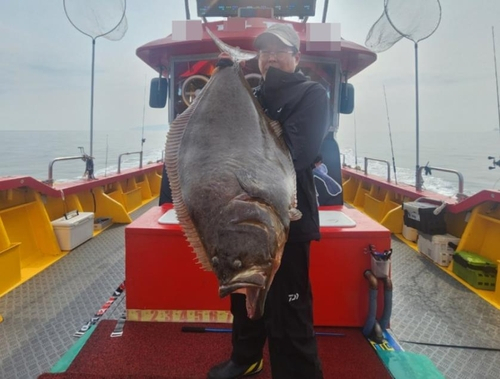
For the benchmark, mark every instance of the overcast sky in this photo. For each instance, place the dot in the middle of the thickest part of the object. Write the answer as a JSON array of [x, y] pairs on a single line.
[[45, 67]]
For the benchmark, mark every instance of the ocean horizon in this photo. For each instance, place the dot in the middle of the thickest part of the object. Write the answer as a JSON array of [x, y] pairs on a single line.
[[464, 151], [29, 153]]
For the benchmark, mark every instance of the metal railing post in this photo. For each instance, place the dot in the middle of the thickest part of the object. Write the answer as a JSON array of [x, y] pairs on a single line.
[[460, 194], [50, 179], [120, 159], [378, 160]]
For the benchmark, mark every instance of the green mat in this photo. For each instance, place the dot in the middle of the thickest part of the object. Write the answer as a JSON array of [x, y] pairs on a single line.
[[63, 363], [406, 365]]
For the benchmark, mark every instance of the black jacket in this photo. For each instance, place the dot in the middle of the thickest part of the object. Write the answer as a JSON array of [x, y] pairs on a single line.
[[301, 106]]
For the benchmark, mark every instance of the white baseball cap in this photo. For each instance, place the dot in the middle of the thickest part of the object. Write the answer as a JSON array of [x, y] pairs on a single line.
[[284, 32]]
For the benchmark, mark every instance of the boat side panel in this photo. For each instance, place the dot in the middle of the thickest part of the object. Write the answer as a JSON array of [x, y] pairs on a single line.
[[475, 220], [28, 243]]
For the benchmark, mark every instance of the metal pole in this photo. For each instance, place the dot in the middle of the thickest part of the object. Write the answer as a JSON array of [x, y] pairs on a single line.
[[355, 144], [186, 5], [93, 61], [418, 183], [325, 11], [92, 100], [496, 75], [143, 118]]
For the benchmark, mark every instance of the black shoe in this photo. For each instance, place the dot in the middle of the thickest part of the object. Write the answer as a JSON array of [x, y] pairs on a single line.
[[231, 370]]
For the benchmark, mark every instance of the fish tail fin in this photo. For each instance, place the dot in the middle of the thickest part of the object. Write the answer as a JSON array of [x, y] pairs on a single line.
[[236, 54]]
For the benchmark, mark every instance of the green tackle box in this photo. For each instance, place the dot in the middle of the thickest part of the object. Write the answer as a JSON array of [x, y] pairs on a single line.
[[479, 272]]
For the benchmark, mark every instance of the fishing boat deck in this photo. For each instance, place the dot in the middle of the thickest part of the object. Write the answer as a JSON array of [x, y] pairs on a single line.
[[430, 307]]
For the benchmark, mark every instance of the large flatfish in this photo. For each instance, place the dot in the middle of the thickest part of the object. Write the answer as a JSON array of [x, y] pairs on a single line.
[[233, 185]]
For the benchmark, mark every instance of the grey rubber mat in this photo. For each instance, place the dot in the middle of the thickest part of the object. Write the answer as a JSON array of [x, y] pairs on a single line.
[[429, 306]]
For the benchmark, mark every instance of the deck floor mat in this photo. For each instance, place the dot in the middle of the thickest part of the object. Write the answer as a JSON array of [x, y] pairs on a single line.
[[161, 350]]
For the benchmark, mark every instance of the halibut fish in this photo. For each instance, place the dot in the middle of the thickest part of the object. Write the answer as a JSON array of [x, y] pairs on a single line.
[[233, 185]]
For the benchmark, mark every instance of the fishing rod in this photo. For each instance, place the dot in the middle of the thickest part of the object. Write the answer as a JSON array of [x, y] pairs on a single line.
[[496, 74], [495, 162], [390, 137], [106, 163], [355, 144], [143, 118]]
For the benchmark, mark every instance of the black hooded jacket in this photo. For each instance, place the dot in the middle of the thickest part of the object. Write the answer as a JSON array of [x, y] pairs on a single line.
[[301, 107]]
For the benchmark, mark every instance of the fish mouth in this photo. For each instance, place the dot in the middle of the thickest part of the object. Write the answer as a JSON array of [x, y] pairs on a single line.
[[252, 285], [243, 281]]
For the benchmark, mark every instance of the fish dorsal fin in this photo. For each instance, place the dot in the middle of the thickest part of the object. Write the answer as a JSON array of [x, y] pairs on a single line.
[[174, 138], [275, 126]]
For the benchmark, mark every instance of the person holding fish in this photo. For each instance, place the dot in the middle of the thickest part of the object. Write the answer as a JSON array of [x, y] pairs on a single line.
[[301, 108]]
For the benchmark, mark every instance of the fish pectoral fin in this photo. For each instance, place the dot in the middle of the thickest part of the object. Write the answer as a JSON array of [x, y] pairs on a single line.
[[250, 186], [294, 214]]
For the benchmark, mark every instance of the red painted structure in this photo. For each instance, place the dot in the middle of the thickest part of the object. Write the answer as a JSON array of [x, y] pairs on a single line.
[[75, 186], [338, 262], [241, 32], [161, 273], [453, 206]]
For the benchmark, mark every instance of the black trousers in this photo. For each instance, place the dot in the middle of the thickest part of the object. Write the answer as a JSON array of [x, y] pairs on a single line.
[[165, 191], [287, 323]]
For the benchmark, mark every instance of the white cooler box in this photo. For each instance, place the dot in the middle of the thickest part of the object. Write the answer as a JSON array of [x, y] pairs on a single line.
[[411, 234], [436, 247], [74, 230]]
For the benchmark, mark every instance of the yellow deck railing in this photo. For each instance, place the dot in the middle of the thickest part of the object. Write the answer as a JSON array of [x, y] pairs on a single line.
[[28, 243], [476, 221]]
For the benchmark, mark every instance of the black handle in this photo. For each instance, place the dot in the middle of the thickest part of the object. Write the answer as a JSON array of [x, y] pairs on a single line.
[[193, 329]]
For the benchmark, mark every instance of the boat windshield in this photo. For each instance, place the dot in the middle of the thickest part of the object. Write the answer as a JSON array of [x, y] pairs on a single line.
[[189, 76]]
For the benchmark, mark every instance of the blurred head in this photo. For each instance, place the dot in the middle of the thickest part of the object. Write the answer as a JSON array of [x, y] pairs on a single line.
[[278, 47]]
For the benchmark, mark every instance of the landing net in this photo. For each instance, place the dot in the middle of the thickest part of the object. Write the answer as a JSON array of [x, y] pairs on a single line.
[[415, 20], [98, 18]]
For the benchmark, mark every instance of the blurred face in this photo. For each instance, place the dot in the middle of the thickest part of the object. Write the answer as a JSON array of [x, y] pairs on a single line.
[[274, 53]]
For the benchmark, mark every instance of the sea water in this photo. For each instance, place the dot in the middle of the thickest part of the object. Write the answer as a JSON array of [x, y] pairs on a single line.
[[29, 153], [464, 151]]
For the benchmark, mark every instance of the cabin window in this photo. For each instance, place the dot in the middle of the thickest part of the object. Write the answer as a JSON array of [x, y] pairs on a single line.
[[190, 76]]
